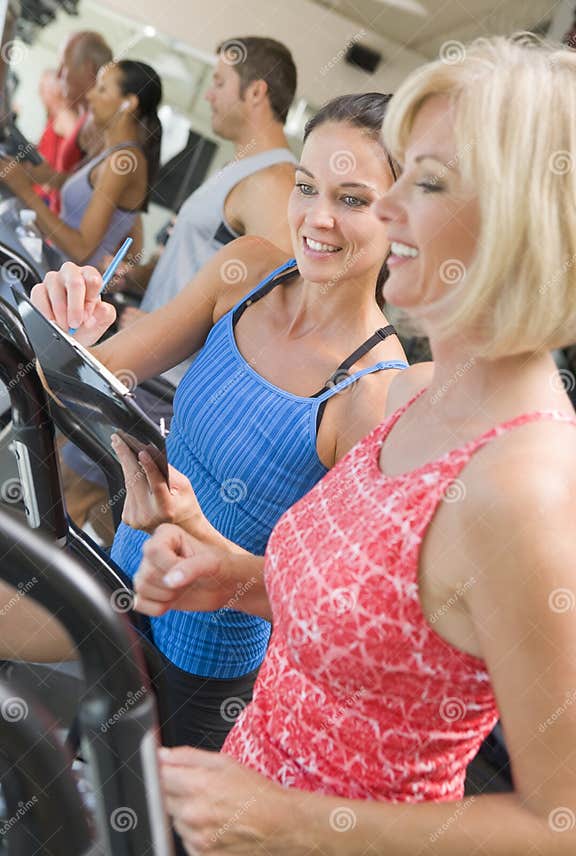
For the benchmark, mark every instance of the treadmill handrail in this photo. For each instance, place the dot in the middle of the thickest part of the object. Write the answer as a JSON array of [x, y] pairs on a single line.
[[121, 749], [38, 777], [28, 400], [64, 586], [33, 432]]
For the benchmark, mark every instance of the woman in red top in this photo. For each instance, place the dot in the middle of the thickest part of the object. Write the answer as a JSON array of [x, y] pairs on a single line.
[[426, 585], [60, 122]]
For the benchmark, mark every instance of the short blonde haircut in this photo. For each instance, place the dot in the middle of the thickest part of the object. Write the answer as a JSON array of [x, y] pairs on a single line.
[[515, 126]]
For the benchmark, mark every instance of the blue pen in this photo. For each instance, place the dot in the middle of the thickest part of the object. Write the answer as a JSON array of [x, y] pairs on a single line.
[[110, 271]]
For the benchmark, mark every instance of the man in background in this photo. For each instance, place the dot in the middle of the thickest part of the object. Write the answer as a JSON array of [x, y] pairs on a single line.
[[253, 86], [83, 55]]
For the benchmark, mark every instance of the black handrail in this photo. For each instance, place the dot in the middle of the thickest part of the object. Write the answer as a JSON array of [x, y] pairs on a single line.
[[33, 427], [43, 804], [117, 715], [33, 398], [33, 432]]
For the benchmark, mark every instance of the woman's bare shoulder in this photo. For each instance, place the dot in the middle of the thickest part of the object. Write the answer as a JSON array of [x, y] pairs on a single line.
[[241, 265], [407, 383]]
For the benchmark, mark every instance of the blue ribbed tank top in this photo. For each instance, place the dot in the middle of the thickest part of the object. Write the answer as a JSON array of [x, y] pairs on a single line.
[[249, 450]]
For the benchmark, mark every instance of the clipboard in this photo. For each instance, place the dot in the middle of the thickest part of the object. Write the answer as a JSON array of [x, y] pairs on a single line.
[[76, 380]]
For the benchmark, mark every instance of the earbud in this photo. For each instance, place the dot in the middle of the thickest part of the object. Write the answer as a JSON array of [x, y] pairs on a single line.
[[125, 104]]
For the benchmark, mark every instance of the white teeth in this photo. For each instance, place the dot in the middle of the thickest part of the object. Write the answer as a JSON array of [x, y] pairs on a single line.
[[321, 248], [403, 250]]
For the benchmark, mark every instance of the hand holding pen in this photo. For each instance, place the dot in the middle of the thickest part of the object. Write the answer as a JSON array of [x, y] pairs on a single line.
[[71, 297], [110, 271]]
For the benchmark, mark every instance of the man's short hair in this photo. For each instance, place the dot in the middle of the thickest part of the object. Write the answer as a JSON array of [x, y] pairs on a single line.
[[91, 47], [256, 58]]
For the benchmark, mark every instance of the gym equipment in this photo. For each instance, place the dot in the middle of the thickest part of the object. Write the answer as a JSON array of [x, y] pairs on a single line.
[[43, 808], [117, 715], [33, 431]]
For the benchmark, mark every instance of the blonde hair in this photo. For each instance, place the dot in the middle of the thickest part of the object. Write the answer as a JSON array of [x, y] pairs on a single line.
[[515, 125]]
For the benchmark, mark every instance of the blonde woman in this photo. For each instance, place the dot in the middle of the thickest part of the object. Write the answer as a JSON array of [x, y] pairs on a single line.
[[426, 585]]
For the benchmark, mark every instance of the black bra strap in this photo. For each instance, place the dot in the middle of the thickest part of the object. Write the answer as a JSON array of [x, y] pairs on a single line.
[[366, 346], [266, 289]]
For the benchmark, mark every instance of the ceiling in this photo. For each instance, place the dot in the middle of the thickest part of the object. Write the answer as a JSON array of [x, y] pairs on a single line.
[[424, 25]]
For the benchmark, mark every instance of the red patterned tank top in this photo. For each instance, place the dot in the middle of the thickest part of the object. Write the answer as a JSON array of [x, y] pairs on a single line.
[[358, 695]]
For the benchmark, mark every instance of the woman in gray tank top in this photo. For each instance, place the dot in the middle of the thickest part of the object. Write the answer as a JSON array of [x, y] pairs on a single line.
[[101, 199]]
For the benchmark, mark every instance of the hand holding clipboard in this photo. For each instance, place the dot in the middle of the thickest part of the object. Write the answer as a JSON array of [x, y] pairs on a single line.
[[72, 375]]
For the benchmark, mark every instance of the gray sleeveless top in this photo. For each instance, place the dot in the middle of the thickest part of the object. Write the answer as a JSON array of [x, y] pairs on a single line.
[[77, 193], [201, 228]]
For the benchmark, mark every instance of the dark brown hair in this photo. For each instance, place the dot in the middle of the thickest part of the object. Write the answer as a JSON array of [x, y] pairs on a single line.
[[256, 58], [140, 79], [366, 112]]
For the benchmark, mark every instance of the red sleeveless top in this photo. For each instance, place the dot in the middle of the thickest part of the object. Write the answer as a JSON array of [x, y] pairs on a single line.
[[358, 695]]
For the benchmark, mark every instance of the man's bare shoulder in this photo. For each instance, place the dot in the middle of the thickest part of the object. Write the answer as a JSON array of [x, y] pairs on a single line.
[[273, 178]]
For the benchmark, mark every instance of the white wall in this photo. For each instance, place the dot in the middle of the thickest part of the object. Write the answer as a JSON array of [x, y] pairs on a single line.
[[316, 36], [562, 19], [190, 32]]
